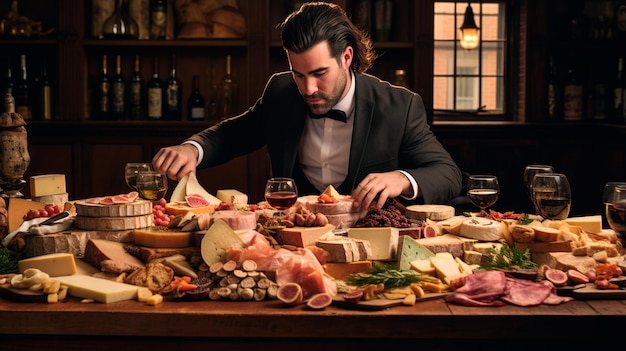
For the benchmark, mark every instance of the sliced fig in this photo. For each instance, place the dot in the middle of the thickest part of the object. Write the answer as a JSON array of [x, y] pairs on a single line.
[[290, 293], [429, 231], [353, 296], [319, 301], [556, 276], [577, 277]]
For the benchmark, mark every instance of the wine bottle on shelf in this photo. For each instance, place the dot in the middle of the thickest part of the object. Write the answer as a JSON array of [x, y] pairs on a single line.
[[120, 25], [21, 93], [158, 19], [118, 91], [136, 92], [45, 94], [173, 94], [382, 21], [196, 104], [229, 91], [400, 79], [155, 93], [572, 97], [553, 92], [102, 92]]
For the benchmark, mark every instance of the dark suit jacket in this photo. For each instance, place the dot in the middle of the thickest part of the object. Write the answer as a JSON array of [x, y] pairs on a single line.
[[390, 133]]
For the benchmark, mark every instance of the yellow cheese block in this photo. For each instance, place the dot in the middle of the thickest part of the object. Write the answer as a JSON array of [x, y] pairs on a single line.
[[55, 264], [47, 184], [162, 238], [101, 290], [232, 196], [590, 224], [302, 236]]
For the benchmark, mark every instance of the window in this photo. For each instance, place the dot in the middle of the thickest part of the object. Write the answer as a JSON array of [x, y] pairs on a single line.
[[470, 81]]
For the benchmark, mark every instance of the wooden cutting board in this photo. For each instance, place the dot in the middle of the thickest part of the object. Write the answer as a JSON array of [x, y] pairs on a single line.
[[590, 292], [21, 295], [137, 208], [380, 304]]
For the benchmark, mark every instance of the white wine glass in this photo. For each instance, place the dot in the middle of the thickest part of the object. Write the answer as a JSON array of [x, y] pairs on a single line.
[[132, 169], [483, 191], [616, 210], [151, 185], [552, 194], [281, 193], [529, 174]]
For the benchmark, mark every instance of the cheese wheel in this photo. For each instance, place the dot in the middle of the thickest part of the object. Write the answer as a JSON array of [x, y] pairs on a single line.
[[237, 220], [432, 212], [481, 228]]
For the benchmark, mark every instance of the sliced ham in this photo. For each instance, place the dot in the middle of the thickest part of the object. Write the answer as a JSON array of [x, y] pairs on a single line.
[[492, 288]]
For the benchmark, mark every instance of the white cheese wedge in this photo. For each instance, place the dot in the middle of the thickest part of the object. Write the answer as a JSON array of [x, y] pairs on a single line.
[[194, 187], [216, 241], [481, 228], [232, 196], [47, 184], [101, 290], [55, 264], [423, 266], [410, 250], [346, 250], [384, 241], [445, 265], [590, 224]]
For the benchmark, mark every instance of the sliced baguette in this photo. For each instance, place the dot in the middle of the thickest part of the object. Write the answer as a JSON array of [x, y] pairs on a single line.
[[546, 234]]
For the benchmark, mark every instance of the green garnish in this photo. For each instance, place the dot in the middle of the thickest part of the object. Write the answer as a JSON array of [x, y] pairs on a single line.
[[8, 262], [507, 258], [525, 219], [388, 275]]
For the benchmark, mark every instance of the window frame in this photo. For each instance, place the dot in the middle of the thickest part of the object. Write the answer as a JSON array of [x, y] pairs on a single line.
[[512, 99]]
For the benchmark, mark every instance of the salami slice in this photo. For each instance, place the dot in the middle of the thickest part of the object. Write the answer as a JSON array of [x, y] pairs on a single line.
[[196, 200]]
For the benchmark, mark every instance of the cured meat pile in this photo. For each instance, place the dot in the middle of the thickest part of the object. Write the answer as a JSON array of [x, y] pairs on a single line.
[[494, 288]]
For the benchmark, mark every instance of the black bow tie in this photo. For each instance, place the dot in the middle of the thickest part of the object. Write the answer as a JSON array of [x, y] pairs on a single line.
[[337, 115]]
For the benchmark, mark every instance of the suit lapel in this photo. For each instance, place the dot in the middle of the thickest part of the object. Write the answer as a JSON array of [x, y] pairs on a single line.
[[364, 105]]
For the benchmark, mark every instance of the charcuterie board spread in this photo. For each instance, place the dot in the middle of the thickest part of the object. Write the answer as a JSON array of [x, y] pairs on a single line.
[[320, 252]]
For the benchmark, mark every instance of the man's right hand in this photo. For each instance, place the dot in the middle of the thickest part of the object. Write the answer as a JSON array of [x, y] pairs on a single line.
[[176, 161]]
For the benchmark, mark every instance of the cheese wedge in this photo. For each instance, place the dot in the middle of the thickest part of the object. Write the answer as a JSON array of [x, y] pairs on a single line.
[[47, 184], [189, 185], [55, 264], [101, 290], [590, 224], [232, 196], [216, 241], [383, 241]]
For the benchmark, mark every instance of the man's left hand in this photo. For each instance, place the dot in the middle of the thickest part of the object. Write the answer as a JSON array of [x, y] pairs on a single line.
[[376, 188]]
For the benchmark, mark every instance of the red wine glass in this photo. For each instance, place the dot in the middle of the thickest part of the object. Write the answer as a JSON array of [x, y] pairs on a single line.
[[281, 193]]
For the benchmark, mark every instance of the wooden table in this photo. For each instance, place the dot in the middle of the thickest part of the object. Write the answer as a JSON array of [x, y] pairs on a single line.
[[217, 325]]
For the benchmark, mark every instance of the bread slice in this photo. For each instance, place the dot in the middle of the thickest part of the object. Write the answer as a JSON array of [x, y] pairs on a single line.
[[546, 234], [154, 276]]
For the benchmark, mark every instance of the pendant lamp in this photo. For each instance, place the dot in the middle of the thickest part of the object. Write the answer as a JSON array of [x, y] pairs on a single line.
[[469, 30]]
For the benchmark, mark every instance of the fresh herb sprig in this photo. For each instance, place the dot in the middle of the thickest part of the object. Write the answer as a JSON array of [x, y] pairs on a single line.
[[507, 258], [525, 219], [388, 275], [8, 262]]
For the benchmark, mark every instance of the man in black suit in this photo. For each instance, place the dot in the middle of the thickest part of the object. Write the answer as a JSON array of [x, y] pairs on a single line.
[[382, 146]]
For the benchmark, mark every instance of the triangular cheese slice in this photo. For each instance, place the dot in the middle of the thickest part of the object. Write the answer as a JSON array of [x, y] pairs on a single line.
[[330, 191], [216, 241], [180, 191], [194, 187]]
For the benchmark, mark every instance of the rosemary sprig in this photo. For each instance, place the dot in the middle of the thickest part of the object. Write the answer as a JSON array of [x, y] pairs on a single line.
[[508, 257], [388, 275], [525, 219]]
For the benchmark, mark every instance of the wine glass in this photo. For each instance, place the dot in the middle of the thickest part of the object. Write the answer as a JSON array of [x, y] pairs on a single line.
[[483, 191], [151, 185], [281, 193], [607, 200], [552, 195], [529, 173], [132, 169], [615, 209]]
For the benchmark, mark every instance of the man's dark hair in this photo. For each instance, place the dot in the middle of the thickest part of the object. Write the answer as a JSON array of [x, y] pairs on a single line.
[[316, 22]]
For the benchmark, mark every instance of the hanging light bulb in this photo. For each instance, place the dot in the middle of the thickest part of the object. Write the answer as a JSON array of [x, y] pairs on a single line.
[[469, 30]]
